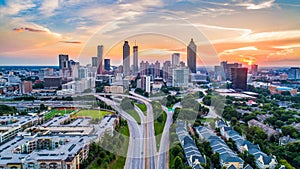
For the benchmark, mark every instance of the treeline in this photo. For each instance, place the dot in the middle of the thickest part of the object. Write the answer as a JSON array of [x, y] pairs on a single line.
[[7, 110]]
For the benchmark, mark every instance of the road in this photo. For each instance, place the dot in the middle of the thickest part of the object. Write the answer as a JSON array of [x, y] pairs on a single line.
[[142, 144], [135, 157], [212, 113]]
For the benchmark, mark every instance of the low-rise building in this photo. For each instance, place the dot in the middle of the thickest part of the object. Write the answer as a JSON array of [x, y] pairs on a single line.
[[262, 160], [12, 125], [113, 89], [266, 128], [42, 152], [228, 158], [192, 154]]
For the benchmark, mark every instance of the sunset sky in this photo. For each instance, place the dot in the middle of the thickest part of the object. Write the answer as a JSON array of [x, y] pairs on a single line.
[[35, 32]]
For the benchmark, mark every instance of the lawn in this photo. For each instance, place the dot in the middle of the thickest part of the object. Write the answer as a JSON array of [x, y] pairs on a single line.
[[211, 121], [135, 115], [55, 112], [95, 114], [142, 107], [159, 124]]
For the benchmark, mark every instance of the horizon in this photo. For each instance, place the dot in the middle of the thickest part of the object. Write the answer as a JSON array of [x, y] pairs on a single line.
[[260, 32]]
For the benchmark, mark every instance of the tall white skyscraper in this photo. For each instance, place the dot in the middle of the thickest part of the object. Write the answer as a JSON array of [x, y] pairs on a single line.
[[99, 59], [175, 59], [135, 59]]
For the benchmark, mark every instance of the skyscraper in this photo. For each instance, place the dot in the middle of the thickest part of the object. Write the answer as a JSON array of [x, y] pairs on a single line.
[[126, 59], [167, 71], [180, 77], [145, 83], [107, 64], [144, 66], [191, 56], [63, 61], [239, 78], [94, 61], [175, 59], [99, 59], [294, 73], [254, 69], [157, 69], [135, 59]]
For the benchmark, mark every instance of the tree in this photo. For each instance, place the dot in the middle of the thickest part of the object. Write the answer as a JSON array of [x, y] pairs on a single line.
[[279, 123], [43, 107], [290, 130], [233, 121], [207, 100], [178, 164], [126, 104], [215, 159]]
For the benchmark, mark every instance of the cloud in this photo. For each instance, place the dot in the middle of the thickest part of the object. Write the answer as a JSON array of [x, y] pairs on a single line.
[[48, 7], [14, 7], [261, 5], [73, 42], [21, 29]]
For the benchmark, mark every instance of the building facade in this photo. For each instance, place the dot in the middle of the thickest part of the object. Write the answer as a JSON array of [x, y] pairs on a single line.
[[239, 78], [126, 59], [191, 56]]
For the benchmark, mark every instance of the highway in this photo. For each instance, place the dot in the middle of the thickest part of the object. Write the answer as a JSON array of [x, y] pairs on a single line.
[[134, 158], [142, 137], [142, 145], [165, 141]]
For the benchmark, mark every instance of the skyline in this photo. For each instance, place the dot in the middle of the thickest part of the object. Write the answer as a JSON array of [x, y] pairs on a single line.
[[262, 32]]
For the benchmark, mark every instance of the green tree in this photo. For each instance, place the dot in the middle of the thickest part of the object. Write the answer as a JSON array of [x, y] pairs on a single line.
[[178, 164], [290, 130]]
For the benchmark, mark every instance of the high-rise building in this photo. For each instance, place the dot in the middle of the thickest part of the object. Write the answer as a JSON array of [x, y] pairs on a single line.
[[239, 78], [180, 77], [167, 71], [144, 66], [63, 61], [226, 69], [25, 87], [294, 73], [182, 64], [253, 69], [145, 83], [157, 69], [74, 67], [99, 59], [135, 59], [107, 64], [126, 59], [175, 59], [217, 73], [82, 73], [94, 61], [191, 56]]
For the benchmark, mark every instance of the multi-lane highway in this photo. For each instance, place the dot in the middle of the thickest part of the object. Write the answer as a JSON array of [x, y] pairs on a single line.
[[142, 147]]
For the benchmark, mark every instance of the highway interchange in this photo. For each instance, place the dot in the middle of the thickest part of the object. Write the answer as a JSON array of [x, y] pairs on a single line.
[[142, 152]]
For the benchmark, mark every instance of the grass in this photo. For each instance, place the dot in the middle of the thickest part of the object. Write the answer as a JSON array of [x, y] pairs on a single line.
[[116, 164], [159, 127], [119, 162], [135, 115], [142, 107], [211, 121], [95, 114], [55, 112]]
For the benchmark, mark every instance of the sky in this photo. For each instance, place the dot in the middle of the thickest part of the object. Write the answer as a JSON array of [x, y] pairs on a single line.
[[264, 32]]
